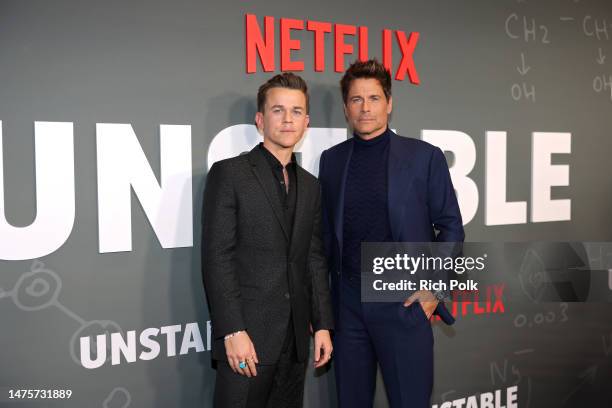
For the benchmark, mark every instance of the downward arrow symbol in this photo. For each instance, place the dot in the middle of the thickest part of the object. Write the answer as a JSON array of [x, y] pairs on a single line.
[[523, 69], [600, 60]]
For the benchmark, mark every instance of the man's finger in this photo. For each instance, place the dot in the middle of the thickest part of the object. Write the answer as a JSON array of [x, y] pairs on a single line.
[[325, 357], [410, 299], [430, 311], [322, 361], [247, 371], [243, 371], [431, 307], [251, 366], [232, 364], [254, 354], [317, 351], [329, 352]]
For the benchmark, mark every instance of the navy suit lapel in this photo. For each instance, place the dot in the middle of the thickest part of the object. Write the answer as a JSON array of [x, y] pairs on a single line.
[[399, 182], [339, 218]]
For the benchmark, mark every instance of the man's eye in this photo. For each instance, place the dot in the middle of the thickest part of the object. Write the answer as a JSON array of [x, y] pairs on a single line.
[[297, 113]]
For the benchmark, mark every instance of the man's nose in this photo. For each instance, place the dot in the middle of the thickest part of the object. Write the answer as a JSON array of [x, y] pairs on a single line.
[[365, 106]]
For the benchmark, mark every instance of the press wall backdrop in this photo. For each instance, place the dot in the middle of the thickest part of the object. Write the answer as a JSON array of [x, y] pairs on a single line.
[[112, 113]]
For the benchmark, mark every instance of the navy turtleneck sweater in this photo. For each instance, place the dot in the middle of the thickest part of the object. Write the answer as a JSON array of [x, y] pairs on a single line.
[[366, 214]]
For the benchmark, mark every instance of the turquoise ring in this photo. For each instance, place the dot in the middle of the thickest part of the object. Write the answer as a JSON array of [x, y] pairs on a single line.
[[242, 364]]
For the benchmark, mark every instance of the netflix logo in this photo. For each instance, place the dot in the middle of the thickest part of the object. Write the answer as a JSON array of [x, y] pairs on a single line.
[[261, 44], [488, 300]]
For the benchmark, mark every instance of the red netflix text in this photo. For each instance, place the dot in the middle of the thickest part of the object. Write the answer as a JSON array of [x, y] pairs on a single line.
[[487, 301], [261, 43]]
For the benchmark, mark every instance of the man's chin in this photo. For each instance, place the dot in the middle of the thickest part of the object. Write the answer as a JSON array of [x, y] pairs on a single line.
[[288, 145], [366, 131]]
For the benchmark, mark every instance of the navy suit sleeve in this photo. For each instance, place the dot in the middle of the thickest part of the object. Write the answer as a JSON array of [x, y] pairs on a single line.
[[443, 206], [326, 227], [445, 217]]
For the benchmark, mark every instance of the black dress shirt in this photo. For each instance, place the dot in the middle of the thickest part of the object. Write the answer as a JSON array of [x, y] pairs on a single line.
[[287, 196]]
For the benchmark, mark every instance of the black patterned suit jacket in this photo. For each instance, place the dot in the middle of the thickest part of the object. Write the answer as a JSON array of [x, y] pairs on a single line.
[[254, 273]]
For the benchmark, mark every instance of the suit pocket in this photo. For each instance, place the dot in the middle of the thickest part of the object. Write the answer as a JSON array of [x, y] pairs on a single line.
[[412, 315]]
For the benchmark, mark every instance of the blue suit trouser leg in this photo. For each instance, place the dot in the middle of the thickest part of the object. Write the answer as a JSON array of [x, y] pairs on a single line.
[[403, 342], [354, 355]]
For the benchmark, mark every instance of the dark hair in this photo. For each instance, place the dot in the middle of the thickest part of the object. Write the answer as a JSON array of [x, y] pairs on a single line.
[[284, 80], [366, 69]]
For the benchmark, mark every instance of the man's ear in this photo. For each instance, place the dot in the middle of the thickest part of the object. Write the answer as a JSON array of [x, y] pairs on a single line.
[[259, 122], [348, 124], [390, 105]]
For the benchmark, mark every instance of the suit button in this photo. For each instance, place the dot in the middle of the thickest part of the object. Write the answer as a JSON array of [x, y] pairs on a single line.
[[287, 296]]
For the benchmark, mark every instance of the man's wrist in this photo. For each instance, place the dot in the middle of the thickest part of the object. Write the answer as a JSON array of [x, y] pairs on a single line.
[[439, 296], [229, 336]]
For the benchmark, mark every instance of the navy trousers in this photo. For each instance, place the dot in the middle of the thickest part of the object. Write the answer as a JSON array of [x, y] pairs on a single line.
[[398, 338]]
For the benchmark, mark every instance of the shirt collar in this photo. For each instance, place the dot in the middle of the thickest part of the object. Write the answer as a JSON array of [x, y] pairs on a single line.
[[274, 162], [370, 142]]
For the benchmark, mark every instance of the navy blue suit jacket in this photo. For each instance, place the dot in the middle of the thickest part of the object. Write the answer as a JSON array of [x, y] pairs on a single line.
[[422, 202]]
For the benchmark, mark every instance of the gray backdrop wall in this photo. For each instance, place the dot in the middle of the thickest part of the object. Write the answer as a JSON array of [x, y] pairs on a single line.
[[512, 66]]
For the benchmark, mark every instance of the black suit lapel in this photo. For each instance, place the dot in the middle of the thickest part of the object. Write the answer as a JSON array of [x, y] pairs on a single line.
[[266, 179]]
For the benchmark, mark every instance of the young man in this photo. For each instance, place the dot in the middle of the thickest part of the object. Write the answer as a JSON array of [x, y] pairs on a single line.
[[381, 187], [263, 265]]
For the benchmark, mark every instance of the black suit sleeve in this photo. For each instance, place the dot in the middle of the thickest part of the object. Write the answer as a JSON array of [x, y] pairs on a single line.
[[219, 270], [321, 312]]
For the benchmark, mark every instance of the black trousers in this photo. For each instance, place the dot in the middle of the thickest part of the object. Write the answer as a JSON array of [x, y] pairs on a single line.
[[279, 385]]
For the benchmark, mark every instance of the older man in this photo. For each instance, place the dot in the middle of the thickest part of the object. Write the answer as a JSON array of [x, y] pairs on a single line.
[[381, 187]]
